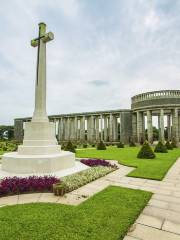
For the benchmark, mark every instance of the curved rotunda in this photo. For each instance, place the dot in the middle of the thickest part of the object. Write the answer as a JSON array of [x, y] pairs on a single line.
[[121, 124]]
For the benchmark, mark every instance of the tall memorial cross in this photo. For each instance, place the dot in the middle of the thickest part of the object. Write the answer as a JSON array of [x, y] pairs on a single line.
[[40, 114]]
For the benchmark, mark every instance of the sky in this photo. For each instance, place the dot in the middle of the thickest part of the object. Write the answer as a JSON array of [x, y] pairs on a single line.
[[103, 53]]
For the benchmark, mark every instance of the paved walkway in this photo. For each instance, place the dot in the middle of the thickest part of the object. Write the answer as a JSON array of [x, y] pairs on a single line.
[[160, 220]]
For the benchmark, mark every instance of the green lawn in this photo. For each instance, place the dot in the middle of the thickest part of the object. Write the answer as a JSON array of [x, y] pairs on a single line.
[[145, 168], [106, 216]]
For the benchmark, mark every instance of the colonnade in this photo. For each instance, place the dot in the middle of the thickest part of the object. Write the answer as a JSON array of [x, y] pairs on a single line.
[[88, 128], [173, 124]]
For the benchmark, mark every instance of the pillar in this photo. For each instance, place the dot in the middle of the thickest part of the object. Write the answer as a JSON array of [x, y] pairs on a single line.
[[102, 137], [97, 127], [169, 126], [161, 138], [105, 129], [175, 130], [75, 129], [134, 127], [92, 129], [89, 129], [60, 130], [115, 130], [149, 126], [67, 129], [82, 128], [110, 127], [125, 126], [140, 126]]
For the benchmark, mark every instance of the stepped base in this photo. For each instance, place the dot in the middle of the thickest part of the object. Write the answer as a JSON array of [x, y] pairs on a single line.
[[16, 163]]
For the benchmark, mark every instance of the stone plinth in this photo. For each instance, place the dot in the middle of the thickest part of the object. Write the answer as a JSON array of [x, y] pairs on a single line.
[[16, 163], [39, 153]]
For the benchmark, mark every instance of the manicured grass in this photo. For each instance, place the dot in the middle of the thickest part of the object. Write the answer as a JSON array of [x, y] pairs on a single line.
[[145, 168], [106, 216]]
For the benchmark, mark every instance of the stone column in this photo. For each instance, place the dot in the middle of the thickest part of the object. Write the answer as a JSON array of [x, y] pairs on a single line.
[[115, 131], [92, 128], [149, 126], [169, 126], [110, 127], [161, 125], [105, 129], [67, 129], [97, 128], [134, 127], [75, 128], [175, 130], [89, 129], [82, 128], [60, 130], [102, 138], [140, 126]]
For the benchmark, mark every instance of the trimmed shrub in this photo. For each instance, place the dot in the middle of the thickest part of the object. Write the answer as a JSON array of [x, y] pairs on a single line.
[[70, 147], [160, 147], [74, 181], [120, 145], [146, 152], [132, 144], [93, 145], [168, 145], [97, 162], [85, 145], [101, 146], [173, 143], [16, 185]]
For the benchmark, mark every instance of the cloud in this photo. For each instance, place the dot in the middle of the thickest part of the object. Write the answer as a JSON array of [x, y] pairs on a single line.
[[103, 53], [98, 82]]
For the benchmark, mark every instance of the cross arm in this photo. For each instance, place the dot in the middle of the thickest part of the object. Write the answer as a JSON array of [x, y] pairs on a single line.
[[46, 38]]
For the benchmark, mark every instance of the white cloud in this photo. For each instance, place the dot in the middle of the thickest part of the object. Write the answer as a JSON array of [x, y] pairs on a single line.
[[121, 48]]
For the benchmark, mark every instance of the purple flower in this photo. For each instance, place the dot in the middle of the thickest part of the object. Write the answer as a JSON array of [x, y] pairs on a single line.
[[16, 185], [97, 162]]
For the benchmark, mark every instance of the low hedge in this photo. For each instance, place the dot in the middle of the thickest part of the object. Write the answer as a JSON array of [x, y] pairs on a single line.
[[77, 180]]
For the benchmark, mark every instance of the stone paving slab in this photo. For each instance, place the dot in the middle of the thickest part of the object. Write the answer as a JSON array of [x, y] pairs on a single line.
[[171, 227], [150, 221], [28, 198], [148, 233]]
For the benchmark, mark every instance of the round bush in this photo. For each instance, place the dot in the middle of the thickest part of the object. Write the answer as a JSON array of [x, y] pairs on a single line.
[[70, 147], [120, 145], [160, 147], [146, 152], [168, 145], [132, 144], [173, 143], [101, 146]]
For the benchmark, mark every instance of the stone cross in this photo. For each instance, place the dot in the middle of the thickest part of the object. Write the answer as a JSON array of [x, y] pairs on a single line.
[[40, 114]]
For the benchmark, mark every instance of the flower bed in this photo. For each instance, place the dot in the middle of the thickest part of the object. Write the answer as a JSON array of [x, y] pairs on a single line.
[[97, 162], [74, 181], [16, 185]]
